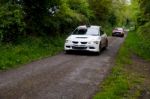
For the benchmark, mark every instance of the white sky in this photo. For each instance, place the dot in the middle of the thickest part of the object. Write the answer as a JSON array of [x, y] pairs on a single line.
[[129, 1]]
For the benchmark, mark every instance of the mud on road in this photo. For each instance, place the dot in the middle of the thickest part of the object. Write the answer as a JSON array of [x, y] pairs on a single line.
[[64, 76]]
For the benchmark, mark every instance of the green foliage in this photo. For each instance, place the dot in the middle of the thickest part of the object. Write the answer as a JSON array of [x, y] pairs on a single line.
[[140, 11], [80, 6], [35, 10], [71, 13], [139, 44], [110, 12], [121, 81], [144, 32], [134, 10], [141, 17], [12, 25], [116, 85], [113, 20], [28, 49], [101, 9], [67, 18], [121, 11], [33, 18], [144, 5]]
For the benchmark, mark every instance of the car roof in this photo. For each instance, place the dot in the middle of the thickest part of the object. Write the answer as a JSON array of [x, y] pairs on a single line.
[[91, 26]]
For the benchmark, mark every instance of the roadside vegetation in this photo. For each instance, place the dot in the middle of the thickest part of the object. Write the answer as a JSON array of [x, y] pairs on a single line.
[[27, 50], [123, 79], [129, 78], [34, 29], [30, 29]]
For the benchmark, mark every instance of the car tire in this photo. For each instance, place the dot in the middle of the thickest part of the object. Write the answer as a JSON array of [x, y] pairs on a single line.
[[100, 48], [106, 44], [67, 52], [122, 36]]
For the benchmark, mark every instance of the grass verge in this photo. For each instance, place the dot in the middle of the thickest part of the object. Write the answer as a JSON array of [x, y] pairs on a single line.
[[30, 49], [120, 82]]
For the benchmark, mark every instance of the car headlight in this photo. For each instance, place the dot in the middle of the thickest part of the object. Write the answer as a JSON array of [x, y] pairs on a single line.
[[96, 42], [93, 42], [68, 41]]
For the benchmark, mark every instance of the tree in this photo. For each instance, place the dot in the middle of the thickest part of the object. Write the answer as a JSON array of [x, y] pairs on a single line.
[[12, 22], [101, 9]]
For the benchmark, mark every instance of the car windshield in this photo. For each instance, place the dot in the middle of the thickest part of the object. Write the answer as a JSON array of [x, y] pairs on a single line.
[[86, 31], [120, 29]]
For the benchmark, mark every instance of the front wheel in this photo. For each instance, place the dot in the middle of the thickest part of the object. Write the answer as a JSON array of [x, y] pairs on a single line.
[[106, 44], [67, 52], [100, 48]]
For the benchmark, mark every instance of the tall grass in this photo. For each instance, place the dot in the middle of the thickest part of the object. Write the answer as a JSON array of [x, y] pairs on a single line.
[[118, 84], [27, 50], [138, 45]]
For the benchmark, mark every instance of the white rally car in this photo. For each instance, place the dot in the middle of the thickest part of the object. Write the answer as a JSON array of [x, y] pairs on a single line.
[[87, 38]]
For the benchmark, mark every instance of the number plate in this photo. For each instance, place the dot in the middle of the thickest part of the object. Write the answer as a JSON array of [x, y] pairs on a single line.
[[79, 45]]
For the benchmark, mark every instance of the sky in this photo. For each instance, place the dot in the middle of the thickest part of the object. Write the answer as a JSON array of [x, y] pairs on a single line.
[[129, 1]]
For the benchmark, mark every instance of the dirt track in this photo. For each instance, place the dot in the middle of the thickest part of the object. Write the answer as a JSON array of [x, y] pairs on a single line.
[[73, 76]]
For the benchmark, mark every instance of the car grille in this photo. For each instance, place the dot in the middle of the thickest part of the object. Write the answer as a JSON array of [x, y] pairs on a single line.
[[75, 42], [83, 42], [79, 48]]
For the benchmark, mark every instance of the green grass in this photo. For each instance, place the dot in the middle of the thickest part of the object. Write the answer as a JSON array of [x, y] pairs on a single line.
[[27, 50], [138, 45], [118, 84]]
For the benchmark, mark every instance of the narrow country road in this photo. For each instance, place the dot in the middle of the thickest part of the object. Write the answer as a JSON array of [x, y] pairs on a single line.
[[72, 76]]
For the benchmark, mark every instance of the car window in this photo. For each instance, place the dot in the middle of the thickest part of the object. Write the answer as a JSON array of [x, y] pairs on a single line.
[[88, 31], [120, 29], [101, 32], [79, 31], [93, 31]]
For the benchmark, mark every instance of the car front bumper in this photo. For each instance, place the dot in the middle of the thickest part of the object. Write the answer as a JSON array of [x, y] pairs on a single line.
[[87, 47]]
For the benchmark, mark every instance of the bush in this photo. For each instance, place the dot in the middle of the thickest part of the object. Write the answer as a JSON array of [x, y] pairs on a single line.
[[64, 20], [12, 25], [144, 31], [28, 50], [81, 6], [143, 41]]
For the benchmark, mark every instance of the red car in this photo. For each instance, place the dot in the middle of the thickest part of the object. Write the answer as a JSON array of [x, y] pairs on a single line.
[[118, 32]]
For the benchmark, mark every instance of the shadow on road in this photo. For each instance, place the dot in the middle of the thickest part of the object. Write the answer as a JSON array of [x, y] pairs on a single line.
[[85, 53]]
